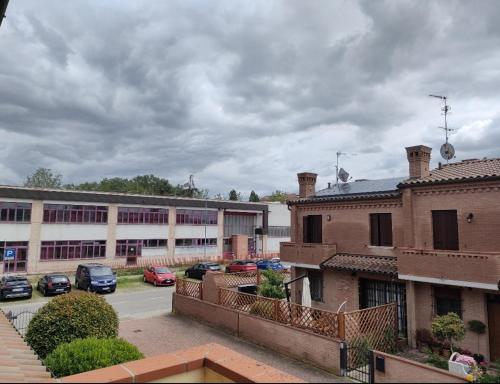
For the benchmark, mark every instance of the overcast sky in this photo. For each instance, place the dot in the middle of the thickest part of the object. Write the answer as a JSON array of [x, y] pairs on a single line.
[[243, 94]]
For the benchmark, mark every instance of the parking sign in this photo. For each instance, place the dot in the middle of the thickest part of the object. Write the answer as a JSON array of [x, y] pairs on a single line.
[[9, 254]]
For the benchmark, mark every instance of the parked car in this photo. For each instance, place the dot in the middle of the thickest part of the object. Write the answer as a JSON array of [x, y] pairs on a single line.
[[54, 283], [159, 276], [95, 278], [12, 287], [241, 266], [198, 270], [270, 264]]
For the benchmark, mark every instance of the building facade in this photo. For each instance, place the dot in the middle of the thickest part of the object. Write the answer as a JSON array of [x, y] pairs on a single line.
[[54, 230], [428, 241]]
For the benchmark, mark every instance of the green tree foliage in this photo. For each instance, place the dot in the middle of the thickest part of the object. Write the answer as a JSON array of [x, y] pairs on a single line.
[[254, 197], [278, 196], [273, 285], [44, 178], [69, 317], [84, 355], [449, 328], [235, 196]]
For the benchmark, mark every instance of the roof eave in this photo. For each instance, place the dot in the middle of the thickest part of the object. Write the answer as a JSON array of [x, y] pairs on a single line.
[[409, 184]]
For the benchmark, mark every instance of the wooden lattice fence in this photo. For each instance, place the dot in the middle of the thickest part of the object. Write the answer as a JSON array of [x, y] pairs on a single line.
[[314, 320], [189, 288], [248, 278], [373, 328]]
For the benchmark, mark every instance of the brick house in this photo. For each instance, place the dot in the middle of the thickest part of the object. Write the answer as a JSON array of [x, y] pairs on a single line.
[[430, 242]]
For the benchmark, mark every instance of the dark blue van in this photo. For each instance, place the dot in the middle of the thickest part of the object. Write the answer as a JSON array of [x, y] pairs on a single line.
[[95, 278]]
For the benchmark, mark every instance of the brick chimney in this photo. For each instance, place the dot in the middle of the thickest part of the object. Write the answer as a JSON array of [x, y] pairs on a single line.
[[307, 184], [419, 158]]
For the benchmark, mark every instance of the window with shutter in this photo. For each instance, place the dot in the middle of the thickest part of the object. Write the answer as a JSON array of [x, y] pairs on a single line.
[[445, 229], [312, 229], [381, 229]]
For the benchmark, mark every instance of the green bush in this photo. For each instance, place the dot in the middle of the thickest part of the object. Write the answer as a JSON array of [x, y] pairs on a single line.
[[69, 317], [273, 285], [489, 379], [84, 355], [437, 361], [448, 328]]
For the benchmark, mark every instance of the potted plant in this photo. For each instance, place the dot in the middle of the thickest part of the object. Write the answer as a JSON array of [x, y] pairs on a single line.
[[448, 328], [479, 328]]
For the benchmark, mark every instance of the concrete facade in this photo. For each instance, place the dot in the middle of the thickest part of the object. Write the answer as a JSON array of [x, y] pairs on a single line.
[[31, 233]]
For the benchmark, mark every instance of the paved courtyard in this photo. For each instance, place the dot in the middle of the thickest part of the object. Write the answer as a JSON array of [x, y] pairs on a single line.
[[167, 333]]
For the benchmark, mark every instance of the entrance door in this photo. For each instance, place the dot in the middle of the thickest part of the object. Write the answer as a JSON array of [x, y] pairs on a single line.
[[494, 326]]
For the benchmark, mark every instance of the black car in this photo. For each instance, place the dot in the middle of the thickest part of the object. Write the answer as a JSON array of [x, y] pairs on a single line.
[[53, 284], [95, 278], [12, 287], [198, 270]]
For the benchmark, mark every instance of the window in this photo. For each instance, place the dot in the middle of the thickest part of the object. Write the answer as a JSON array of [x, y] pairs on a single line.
[[316, 284], [278, 231], [373, 293], [138, 215], [195, 242], [447, 300], [18, 265], [85, 214], [69, 250], [312, 229], [445, 229], [381, 229], [195, 217], [15, 212]]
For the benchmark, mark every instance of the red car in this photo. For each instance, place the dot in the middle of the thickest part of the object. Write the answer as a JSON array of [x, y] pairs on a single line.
[[241, 266], [159, 276]]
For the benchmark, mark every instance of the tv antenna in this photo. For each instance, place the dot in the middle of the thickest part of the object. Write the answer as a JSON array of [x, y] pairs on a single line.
[[340, 173], [190, 184], [447, 150]]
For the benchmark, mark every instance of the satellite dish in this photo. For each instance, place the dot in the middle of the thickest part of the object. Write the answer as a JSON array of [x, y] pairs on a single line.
[[343, 175], [447, 151]]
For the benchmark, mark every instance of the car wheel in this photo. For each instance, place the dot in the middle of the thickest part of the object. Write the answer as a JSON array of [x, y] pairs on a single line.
[[228, 270], [45, 293]]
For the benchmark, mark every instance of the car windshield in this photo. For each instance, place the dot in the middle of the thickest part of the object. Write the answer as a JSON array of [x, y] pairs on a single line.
[[59, 279], [213, 266], [14, 282], [101, 271], [162, 270]]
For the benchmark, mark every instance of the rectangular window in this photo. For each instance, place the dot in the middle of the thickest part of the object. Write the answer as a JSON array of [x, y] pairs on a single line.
[[82, 214], [316, 283], [74, 249], [445, 229], [139, 215], [278, 231], [196, 217], [194, 243], [373, 293], [381, 229], [312, 229], [15, 212], [18, 265], [447, 300]]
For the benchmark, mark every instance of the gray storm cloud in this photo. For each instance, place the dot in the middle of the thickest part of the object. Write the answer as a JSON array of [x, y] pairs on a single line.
[[242, 94]]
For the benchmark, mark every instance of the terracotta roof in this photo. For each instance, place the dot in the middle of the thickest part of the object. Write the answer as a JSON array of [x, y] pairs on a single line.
[[18, 363], [466, 170], [362, 263]]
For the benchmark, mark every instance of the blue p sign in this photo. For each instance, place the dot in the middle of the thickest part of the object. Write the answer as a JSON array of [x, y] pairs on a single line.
[[9, 254]]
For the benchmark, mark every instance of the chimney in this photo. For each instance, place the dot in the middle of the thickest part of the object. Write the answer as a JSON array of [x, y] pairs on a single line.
[[307, 184], [419, 158]]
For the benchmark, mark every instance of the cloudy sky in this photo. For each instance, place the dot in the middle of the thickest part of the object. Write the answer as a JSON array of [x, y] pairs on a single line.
[[243, 94]]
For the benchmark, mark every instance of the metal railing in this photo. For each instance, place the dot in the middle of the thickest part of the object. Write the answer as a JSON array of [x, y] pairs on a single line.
[[21, 317]]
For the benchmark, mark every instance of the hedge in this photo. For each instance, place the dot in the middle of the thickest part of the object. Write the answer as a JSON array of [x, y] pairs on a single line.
[[84, 355], [69, 317]]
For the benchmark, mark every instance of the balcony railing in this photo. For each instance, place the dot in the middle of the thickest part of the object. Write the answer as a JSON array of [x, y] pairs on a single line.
[[479, 269], [306, 253]]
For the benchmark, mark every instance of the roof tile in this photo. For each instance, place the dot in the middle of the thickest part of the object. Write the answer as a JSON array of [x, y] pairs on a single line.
[[362, 263]]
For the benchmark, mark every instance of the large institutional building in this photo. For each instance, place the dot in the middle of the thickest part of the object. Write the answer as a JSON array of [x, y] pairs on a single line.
[[428, 241], [54, 230]]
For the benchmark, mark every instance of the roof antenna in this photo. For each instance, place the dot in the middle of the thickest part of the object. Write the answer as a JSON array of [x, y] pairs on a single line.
[[447, 150], [340, 173]]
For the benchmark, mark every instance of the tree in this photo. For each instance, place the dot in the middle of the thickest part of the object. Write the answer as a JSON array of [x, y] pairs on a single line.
[[44, 178], [235, 196], [272, 286], [254, 197], [278, 196], [449, 328]]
